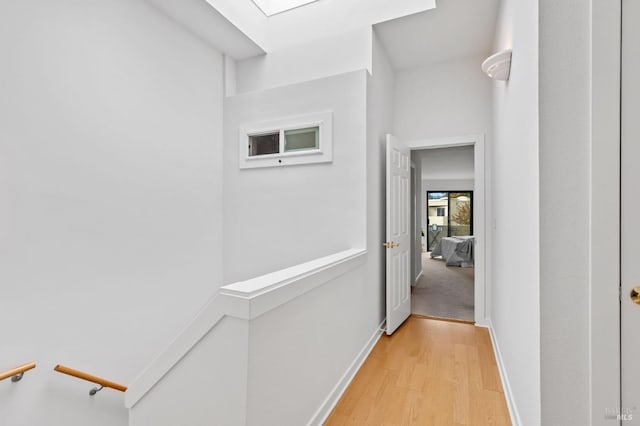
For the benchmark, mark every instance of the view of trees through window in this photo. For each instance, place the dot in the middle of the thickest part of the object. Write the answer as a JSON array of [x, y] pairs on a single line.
[[448, 214]]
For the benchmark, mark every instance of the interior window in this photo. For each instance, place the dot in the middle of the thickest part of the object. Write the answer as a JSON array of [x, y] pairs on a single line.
[[301, 139], [264, 144]]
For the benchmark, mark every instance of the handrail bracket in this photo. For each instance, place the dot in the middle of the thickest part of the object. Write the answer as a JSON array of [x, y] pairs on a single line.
[[95, 390], [17, 377]]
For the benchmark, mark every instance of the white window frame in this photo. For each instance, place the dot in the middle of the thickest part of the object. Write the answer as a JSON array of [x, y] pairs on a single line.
[[323, 154]]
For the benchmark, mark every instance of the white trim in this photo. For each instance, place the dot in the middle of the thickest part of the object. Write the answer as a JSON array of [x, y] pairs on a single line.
[[506, 387], [245, 300], [446, 142], [336, 393], [323, 154], [256, 296], [604, 251], [480, 209]]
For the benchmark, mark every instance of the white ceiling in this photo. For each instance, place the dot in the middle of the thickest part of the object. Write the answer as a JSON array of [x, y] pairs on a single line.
[[454, 29]]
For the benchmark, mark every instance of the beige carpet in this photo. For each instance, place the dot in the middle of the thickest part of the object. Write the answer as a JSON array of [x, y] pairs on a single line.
[[443, 291]]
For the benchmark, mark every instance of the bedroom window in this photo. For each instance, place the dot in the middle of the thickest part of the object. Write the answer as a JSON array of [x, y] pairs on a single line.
[[287, 141], [449, 214]]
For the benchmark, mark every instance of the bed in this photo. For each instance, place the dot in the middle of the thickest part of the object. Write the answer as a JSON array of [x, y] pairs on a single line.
[[456, 251]]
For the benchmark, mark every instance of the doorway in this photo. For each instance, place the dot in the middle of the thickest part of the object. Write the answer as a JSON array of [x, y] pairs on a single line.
[[476, 221], [445, 286]]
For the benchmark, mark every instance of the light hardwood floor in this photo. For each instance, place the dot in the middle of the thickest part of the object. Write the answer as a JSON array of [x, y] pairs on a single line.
[[429, 372]]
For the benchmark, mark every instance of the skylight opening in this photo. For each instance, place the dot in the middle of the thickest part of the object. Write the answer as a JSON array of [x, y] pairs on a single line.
[[273, 7]]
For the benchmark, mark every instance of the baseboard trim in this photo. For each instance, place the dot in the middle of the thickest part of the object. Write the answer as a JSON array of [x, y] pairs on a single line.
[[506, 387], [334, 396]]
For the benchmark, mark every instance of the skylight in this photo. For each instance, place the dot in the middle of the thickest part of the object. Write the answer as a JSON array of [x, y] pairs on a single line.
[[272, 7]]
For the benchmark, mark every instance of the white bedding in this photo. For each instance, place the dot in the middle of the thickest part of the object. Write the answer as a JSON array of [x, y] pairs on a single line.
[[456, 251]]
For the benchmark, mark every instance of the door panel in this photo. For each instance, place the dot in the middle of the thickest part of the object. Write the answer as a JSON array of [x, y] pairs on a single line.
[[398, 239], [630, 208]]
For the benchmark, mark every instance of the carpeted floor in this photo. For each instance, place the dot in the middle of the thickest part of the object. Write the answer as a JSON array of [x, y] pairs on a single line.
[[443, 291]]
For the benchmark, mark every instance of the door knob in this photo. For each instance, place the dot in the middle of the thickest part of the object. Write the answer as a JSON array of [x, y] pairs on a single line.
[[390, 244], [635, 295]]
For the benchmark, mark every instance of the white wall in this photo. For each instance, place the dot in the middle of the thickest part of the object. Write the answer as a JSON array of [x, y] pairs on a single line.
[[442, 100], [452, 184], [453, 163], [110, 191], [380, 96], [279, 217], [318, 335], [516, 210], [565, 124], [207, 387], [315, 59]]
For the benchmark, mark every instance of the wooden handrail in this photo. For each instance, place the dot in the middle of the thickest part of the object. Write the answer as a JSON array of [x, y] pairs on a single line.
[[17, 371], [90, 378]]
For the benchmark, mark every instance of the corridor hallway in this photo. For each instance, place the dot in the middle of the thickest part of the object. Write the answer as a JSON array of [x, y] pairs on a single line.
[[429, 372]]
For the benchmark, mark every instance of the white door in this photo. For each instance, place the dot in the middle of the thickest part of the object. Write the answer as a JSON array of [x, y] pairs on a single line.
[[398, 244], [630, 219]]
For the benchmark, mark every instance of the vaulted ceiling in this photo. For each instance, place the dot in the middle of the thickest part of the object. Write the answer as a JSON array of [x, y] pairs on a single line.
[[454, 29]]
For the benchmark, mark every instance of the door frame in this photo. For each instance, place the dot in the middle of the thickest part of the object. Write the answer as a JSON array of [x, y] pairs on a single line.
[[604, 244], [479, 219]]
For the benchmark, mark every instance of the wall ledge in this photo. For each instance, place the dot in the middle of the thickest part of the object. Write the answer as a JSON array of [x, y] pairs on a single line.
[[259, 295]]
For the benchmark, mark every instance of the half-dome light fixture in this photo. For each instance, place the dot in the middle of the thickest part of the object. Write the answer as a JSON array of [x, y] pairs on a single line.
[[498, 65]]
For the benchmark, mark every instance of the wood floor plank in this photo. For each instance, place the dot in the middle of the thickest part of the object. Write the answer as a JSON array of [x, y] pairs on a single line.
[[490, 375], [461, 406], [429, 372]]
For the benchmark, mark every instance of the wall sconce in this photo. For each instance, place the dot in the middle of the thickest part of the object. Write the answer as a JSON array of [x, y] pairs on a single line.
[[498, 65]]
